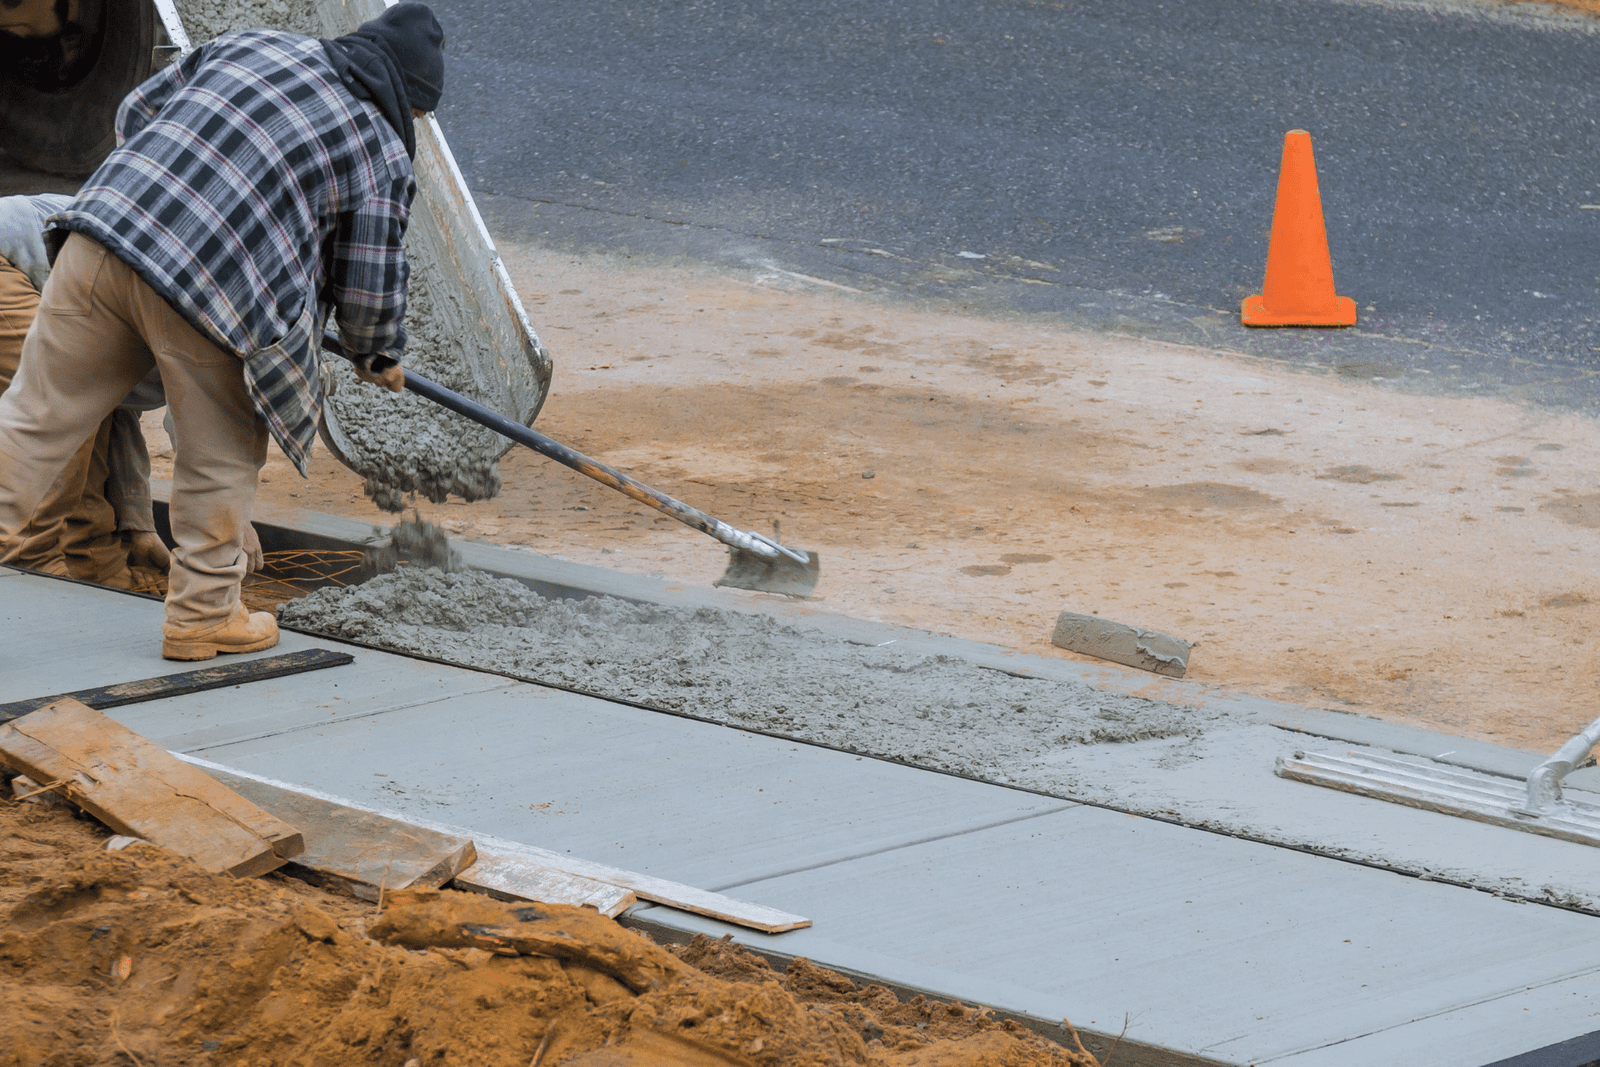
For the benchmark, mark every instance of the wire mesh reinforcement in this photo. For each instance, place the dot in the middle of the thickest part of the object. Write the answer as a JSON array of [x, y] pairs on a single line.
[[283, 576]]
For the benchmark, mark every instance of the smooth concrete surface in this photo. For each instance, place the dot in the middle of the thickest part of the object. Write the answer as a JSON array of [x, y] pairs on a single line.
[[1219, 779], [1214, 949], [1224, 781], [58, 641], [687, 801], [1240, 953]]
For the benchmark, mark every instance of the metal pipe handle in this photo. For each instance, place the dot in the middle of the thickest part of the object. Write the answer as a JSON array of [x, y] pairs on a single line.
[[569, 457], [1544, 783]]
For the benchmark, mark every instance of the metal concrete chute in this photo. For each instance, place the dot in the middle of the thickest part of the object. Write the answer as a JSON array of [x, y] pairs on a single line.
[[505, 366], [1535, 805]]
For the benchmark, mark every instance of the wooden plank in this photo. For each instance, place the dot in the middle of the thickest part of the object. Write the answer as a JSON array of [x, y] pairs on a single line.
[[508, 876], [672, 894], [656, 890], [236, 672], [141, 790], [355, 851]]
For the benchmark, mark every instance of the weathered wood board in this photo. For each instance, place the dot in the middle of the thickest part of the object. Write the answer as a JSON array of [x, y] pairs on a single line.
[[354, 851], [656, 890], [507, 876], [141, 790], [672, 894]]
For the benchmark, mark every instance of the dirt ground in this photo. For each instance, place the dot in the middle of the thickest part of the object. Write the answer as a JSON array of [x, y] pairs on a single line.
[[1587, 7], [1324, 541], [138, 957]]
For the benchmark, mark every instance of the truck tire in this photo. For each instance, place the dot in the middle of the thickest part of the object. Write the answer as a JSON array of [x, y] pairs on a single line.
[[68, 130]]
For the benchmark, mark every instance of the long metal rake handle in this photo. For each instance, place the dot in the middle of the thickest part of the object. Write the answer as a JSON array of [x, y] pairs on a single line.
[[487, 417]]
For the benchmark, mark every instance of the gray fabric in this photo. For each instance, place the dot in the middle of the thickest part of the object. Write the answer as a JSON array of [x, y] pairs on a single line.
[[22, 232], [128, 473], [147, 395]]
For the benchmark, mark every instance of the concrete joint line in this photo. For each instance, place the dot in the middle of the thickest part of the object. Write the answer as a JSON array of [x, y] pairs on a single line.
[[1518, 991], [1079, 801], [893, 848], [373, 713]]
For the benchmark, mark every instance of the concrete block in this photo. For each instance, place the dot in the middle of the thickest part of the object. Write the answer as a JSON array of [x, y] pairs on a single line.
[[1120, 643]]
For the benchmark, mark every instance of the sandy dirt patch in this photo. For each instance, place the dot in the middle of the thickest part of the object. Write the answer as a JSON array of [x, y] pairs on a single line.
[[1586, 7], [137, 957], [1326, 541]]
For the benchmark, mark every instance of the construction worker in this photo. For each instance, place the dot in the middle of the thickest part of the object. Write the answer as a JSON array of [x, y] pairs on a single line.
[[95, 521], [260, 182]]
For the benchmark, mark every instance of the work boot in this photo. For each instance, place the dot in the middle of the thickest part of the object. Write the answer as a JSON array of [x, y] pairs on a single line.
[[247, 631]]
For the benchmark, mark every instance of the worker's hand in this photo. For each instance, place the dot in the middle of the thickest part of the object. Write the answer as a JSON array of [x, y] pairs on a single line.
[[252, 550], [392, 377], [146, 550]]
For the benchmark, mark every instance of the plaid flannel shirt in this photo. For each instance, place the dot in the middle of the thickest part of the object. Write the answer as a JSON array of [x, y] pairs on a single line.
[[253, 191]]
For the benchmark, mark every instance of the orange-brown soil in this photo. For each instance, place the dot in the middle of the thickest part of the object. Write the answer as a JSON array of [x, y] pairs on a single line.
[[138, 958], [1587, 7]]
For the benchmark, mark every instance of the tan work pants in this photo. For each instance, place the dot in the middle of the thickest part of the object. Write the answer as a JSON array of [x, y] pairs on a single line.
[[74, 529], [98, 327]]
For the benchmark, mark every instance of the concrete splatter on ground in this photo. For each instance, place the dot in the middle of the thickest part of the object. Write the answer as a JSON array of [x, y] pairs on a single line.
[[751, 671]]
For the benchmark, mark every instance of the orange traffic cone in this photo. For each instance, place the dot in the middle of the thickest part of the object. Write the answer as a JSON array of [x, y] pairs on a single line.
[[1298, 290]]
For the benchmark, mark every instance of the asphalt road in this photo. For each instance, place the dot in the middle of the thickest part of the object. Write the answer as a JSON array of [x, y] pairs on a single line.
[[1113, 162]]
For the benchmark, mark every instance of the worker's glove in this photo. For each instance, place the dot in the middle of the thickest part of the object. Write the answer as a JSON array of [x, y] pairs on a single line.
[[146, 550], [391, 375], [252, 550]]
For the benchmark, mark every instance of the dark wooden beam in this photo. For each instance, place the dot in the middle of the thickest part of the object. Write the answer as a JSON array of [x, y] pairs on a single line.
[[237, 672]]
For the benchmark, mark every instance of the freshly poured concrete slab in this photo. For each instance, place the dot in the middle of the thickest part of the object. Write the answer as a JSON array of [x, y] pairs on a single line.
[[1221, 950], [560, 578], [1224, 780], [689, 801], [554, 577], [1225, 950], [1218, 776], [320, 699], [62, 636]]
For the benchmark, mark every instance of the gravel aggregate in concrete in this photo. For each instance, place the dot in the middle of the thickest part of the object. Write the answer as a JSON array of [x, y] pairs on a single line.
[[401, 443], [205, 19], [934, 711]]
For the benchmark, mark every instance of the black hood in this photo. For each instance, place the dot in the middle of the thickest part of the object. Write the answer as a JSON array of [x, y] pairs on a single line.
[[396, 61]]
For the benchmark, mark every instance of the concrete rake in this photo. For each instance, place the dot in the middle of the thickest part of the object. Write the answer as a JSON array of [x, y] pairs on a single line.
[[754, 561], [1535, 805]]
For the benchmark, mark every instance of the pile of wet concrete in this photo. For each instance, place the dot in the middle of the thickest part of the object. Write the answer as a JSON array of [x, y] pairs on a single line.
[[747, 670]]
